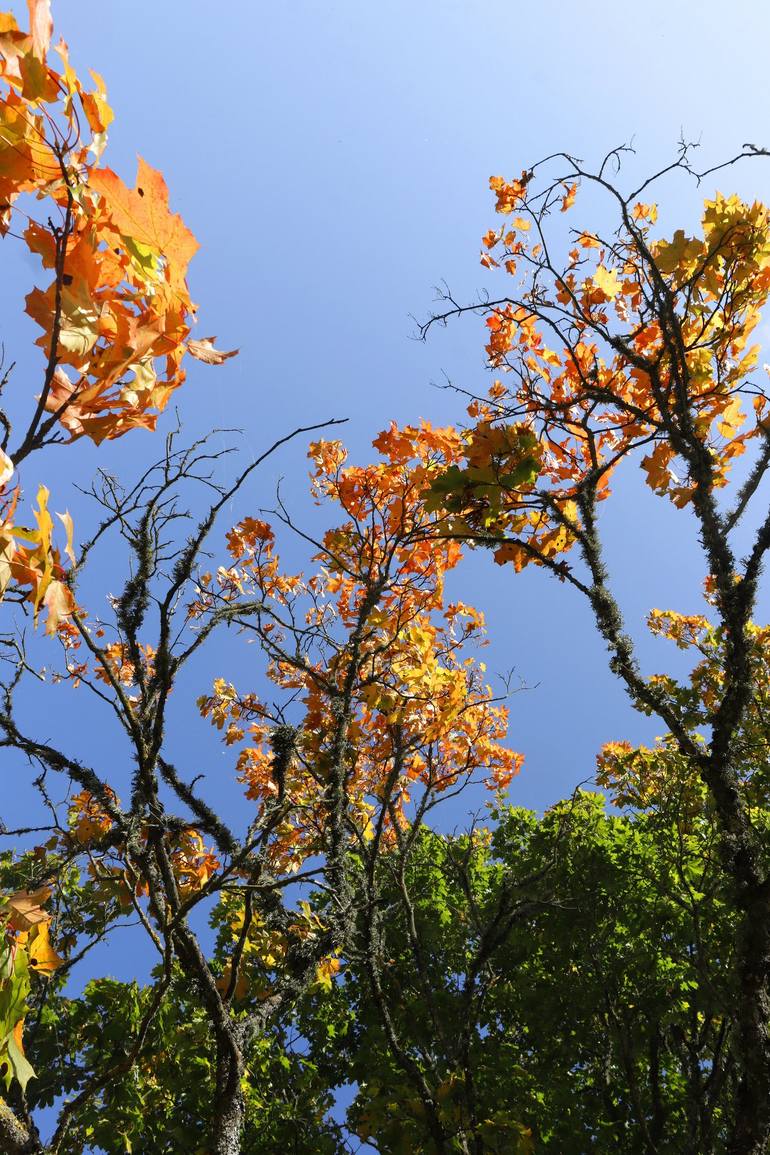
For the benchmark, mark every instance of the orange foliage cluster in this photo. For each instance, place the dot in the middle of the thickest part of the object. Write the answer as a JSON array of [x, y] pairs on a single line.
[[122, 301], [30, 560], [120, 667], [88, 819], [381, 648], [116, 316], [192, 861], [596, 373], [643, 776]]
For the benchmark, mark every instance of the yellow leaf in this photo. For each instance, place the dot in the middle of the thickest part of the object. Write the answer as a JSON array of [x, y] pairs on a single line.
[[42, 957], [607, 281], [327, 968], [732, 418], [679, 255], [7, 552], [37, 83], [568, 199], [98, 112]]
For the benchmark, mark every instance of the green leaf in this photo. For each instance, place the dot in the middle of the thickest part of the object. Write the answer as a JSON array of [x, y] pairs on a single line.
[[22, 1068]]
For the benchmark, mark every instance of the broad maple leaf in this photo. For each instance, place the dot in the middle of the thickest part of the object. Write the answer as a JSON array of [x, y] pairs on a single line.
[[23, 910], [143, 215]]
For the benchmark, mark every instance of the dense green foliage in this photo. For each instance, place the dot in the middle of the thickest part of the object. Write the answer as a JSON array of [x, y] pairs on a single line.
[[560, 983]]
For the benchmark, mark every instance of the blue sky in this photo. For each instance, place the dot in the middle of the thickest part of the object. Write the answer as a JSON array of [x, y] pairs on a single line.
[[333, 159]]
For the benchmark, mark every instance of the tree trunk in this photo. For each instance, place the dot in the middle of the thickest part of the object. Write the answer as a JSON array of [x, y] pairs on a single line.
[[15, 1139], [230, 1107]]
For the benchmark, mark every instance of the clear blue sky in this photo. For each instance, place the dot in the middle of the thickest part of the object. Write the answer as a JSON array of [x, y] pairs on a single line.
[[332, 159]]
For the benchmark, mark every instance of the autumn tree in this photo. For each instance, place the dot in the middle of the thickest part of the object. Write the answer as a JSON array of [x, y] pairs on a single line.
[[624, 344], [384, 711], [115, 326], [115, 316], [630, 345], [115, 323], [569, 982]]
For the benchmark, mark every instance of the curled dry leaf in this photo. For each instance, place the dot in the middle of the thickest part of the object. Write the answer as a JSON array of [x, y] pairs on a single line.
[[66, 520], [204, 350]]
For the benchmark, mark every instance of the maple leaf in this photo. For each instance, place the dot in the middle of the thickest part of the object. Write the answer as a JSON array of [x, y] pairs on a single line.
[[731, 418], [42, 956], [143, 215], [642, 212], [26, 908], [678, 255], [656, 466], [37, 83], [98, 112], [203, 350], [568, 199], [41, 26], [607, 281]]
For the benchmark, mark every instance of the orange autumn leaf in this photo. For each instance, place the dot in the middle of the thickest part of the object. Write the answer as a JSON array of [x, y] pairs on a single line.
[[568, 199], [143, 214], [642, 212], [26, 908]]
